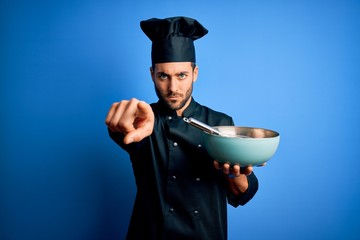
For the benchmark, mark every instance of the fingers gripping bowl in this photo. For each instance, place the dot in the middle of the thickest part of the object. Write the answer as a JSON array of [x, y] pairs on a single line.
[[245, 146]]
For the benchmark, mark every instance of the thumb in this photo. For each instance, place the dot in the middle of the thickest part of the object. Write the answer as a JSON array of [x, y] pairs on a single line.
[[137, 135]]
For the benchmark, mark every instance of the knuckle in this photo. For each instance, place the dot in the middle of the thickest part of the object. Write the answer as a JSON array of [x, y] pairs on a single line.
[[113, 124], [115, 105], [134, 100]]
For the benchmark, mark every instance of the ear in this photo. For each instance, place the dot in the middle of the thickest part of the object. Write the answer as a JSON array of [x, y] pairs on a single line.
[[152, 74], [195, 73]]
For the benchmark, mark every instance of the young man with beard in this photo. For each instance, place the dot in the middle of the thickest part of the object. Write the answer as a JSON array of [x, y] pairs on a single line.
[[182, 193]]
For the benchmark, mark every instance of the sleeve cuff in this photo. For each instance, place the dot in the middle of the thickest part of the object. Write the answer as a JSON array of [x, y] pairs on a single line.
[[245, 197]]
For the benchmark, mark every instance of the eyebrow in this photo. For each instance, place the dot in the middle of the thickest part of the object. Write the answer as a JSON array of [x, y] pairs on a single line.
[[164, 73], [183, 72]]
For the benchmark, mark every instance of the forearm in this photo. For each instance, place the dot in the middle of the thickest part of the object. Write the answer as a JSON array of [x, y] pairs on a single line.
[[238, 185], [241, 192]]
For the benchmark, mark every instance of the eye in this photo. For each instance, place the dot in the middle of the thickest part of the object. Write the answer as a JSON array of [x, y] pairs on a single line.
[[163, 76], [182, 75]]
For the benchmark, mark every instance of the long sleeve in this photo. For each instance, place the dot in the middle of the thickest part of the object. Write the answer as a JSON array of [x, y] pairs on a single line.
[[242, 199]]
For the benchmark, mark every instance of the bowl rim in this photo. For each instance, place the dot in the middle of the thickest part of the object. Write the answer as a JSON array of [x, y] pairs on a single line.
[[276, 134]]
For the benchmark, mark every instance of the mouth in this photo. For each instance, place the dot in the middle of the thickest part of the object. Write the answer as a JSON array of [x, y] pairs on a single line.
[[173, 97]]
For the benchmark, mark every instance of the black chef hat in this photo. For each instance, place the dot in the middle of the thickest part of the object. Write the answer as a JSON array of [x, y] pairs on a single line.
[[173, 38]]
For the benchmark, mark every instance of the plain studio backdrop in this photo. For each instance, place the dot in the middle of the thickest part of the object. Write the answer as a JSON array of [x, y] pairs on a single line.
[[290, 66]]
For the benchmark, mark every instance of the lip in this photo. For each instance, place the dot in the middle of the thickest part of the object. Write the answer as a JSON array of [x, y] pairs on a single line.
[[173, 98]]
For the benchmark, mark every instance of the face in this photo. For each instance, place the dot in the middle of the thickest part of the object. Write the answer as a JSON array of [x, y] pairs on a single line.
[[174, 83]]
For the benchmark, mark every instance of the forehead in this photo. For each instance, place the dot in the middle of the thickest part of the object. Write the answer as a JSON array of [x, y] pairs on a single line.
[[173, 67]]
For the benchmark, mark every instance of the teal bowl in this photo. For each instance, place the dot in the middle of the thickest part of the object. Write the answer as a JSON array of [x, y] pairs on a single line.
[[246, 146]]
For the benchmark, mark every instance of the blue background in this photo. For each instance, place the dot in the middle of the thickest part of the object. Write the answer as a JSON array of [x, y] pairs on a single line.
[[291, 66]]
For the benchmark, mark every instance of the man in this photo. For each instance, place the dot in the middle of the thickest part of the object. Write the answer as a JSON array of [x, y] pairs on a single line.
[[182, 193]]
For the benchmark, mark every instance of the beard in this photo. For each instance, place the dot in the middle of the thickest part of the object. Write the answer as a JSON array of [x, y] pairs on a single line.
[[174, 105]]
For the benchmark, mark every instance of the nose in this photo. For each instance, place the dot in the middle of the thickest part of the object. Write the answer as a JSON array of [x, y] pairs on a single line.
[[173, 85]]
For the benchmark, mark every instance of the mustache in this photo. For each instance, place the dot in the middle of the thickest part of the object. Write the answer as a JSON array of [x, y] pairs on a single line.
[[174, 94]]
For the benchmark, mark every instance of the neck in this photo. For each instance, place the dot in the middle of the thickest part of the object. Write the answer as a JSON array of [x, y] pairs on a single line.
[[180, 111]]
